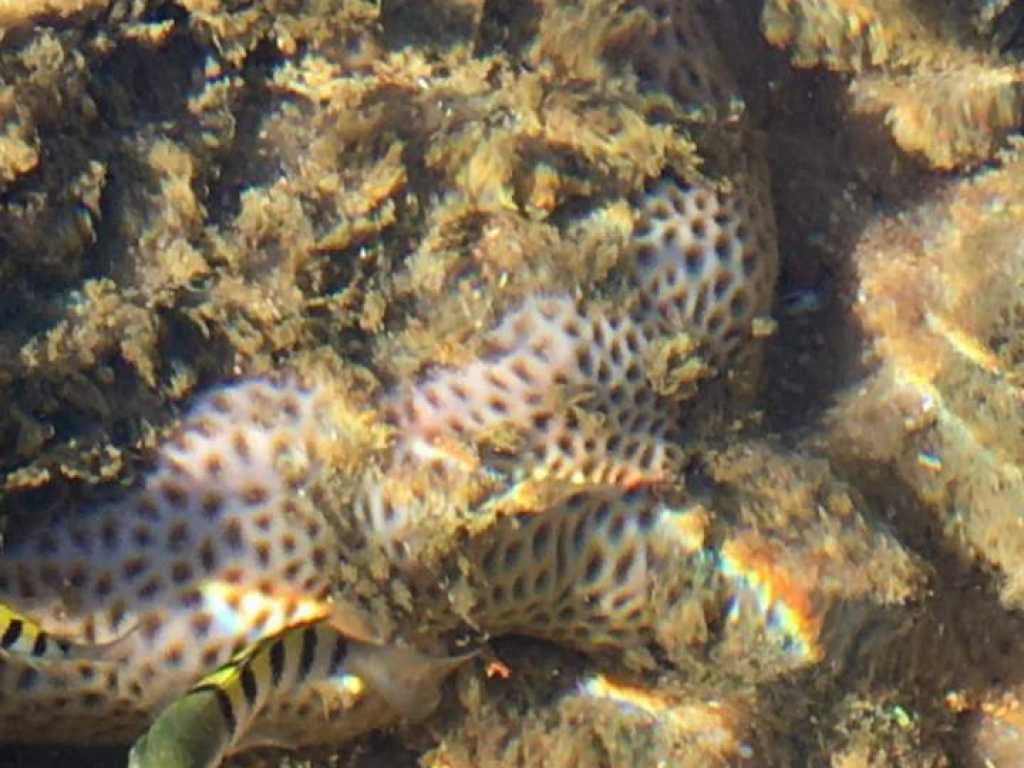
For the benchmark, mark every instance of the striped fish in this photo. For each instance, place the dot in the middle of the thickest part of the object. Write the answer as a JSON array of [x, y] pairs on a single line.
[[25, 639], [351, 680]]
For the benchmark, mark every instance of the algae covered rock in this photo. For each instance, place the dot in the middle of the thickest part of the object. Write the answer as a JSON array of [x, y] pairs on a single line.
[[943, 87], [526, 254]]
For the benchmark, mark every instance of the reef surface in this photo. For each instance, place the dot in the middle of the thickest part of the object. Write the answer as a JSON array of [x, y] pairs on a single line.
[[196, 191]]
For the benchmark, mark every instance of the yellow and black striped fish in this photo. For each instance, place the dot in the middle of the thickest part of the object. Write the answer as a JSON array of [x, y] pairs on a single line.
[[23, 638], [349, 678]]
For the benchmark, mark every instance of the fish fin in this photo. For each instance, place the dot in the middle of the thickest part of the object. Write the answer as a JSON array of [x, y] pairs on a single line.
[[262, 737], [352, 622], [339, 693], [111, 652], [409, 681]]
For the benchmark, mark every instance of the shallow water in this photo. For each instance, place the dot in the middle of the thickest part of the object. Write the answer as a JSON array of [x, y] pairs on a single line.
[[194, 193]]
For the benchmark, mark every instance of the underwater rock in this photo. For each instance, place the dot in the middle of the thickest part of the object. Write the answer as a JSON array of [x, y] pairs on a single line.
[[945, 92], [527, 253], [939, 298]]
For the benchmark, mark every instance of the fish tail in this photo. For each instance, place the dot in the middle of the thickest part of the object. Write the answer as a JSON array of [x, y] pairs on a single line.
[[407, 679]]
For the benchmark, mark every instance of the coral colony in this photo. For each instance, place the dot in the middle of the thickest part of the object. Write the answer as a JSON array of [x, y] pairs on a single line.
[[307, 560], [222, 548]]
